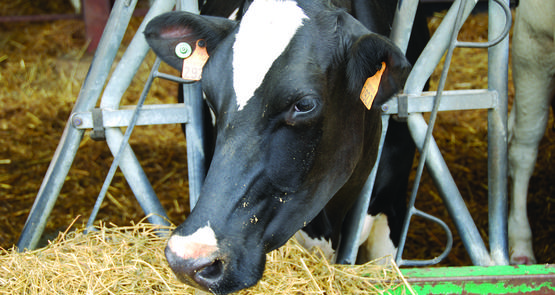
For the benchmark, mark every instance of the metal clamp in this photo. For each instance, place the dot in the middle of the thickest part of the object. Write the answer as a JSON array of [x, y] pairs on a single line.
[[402, 107], [97, 133]]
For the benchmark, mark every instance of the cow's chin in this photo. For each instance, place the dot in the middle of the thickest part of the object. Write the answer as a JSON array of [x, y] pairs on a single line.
[[221, 273]]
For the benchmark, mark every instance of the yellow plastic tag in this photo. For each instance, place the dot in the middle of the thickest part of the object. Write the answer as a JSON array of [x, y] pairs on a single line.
[[371, 87], [192, 65]]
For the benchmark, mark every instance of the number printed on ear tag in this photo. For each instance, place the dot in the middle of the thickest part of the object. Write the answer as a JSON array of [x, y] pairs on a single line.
[[371, 87], [193, 65]]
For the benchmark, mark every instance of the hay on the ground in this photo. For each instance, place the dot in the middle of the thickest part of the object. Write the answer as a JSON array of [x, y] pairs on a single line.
[[130, 260]]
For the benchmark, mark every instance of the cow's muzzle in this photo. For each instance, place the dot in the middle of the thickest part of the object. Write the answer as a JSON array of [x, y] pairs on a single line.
[[209, 268], [200, 272]]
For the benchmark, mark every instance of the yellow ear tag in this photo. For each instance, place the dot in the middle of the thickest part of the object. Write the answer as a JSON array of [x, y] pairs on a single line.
[[371, 87], [192, 65]]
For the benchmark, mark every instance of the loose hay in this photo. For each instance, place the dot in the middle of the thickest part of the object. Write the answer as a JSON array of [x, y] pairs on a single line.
[[128, 260]]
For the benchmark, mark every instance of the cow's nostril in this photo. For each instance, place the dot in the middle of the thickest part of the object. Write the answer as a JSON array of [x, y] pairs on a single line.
[[212, 272]]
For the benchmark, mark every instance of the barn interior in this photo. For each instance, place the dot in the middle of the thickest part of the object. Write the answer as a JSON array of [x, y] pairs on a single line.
[[42, 67]]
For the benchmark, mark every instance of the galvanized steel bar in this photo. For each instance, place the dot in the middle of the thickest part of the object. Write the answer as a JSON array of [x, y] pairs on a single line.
[[195, 134], [448, 243], [194, 130], [452, 100], [452, 198], [348, 249], [132, 59], [431, 56], [402, 23], [137, 179], [188, 5], [498, 68], [427, 140], [152, 114], [126, 160], [71, 137], [415, 83], [501, 31], [116, 87]]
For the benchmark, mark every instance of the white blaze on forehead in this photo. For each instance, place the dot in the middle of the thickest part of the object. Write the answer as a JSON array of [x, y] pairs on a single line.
[[201, 243], [264, 33]]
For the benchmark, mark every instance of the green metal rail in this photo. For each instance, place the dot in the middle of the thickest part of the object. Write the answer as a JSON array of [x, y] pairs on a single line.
[[522, 279]]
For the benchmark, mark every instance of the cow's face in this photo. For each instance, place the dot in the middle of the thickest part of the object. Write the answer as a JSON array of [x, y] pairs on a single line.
[[284, 86]]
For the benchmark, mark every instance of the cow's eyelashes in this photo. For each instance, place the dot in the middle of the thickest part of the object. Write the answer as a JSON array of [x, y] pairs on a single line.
[[306, 104], [303, 110]]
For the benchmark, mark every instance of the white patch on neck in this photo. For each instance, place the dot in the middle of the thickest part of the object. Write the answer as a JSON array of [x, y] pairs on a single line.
[[375, 237], [201, 243], [309, 243], [264, 33]]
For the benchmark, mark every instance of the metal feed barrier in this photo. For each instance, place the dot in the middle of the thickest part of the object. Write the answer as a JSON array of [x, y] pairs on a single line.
[[106, 121], [413, 101]]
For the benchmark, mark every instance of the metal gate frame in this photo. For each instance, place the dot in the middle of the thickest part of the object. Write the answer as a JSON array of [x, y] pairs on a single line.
[[109, 117], [413, 101]]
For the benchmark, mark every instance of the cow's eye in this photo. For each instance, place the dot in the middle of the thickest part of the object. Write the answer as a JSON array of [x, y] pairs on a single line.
[[306, 104], [304, 110]]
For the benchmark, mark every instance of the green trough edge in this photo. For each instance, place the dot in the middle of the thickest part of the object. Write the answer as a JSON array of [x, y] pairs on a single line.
[[506, 279]]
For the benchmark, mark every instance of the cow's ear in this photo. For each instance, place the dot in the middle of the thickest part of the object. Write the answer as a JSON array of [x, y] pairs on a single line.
[[375, 57], [165, 31]]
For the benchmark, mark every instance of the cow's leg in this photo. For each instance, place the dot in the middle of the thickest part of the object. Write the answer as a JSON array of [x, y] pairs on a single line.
[[527, 123], [530, 111], [530, 120]]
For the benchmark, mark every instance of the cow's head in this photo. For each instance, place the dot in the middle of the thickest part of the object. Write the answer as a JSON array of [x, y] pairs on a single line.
[[284, 85]]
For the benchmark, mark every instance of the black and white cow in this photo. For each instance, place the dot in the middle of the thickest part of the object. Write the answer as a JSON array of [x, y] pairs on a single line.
[[534, 80], [294, 142]]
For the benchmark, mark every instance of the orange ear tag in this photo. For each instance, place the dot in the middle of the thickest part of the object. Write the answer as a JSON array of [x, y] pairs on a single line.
[[192, 65], [371, 87]]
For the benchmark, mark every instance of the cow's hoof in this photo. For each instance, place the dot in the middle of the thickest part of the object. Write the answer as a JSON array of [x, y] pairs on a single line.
[[527, 260]]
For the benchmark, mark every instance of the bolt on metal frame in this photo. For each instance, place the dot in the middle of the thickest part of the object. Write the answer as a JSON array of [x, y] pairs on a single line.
[[110, 116]]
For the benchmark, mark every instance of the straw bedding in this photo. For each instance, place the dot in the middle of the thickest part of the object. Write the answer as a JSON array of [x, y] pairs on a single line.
[[126, 260], [42, 66]]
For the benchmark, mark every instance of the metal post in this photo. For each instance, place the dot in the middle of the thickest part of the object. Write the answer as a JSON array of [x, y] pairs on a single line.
[[194, 130], [136, 177], [452, 198], [71, 137], [443, 39], [402, 23], [111, 99], [131, 59], [195, 134], [438, 44], [498, 67]]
